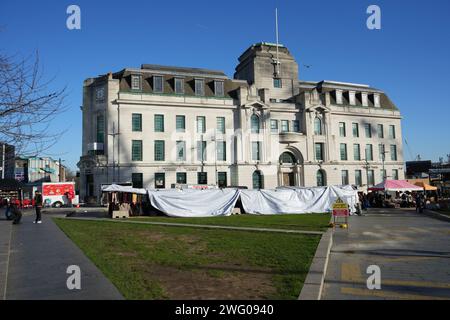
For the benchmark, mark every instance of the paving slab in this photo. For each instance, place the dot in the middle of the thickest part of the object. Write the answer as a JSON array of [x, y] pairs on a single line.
[[39, 258], [412, 251]]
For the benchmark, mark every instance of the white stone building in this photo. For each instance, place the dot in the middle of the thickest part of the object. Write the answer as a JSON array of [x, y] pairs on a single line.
[[262, 129]]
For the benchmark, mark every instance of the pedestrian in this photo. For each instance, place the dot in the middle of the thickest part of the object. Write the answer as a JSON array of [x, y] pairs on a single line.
[[7, 208], [16, 214], [38, 206]]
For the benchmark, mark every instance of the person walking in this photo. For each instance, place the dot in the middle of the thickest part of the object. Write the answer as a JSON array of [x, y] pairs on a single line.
[[38, 206]]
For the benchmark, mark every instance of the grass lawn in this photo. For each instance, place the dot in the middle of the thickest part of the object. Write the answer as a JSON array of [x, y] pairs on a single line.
[[308, 222], [159, 262]]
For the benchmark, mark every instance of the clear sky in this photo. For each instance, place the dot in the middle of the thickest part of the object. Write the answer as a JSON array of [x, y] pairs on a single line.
[[409, 57]]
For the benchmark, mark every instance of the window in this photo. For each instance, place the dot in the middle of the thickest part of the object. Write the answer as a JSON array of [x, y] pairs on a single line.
[[222, 179], [287, 157], [317, 126], [356, 152], [369, 152], [258, 180], [136, 150], [277, 83], [218, 88], [181, 150], [319, 151], [158, 84], [368, 128], [135, 82], [100, 128], [100, 94], [284, 126], [342, 129], [137, 180], [380, 130], [383, 175], [393, 152], [179, 86], [181, 178], [320, 178], [394, 174], [180, 123], [160, 180], [391, 132], [344, 176], [254, 123], [221, 151], [358, 178], [201, 150], [136, 122], [355, 130], [159, 150], [256, 151], [201, 124], [274, 126], [370, 178], [296, 126], [382, 153], [220, 124], [159, 123], [343, 151], [199, 87], [202, 178]]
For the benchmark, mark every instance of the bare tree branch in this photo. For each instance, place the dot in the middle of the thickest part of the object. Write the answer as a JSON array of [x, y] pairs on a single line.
[[28, 105]]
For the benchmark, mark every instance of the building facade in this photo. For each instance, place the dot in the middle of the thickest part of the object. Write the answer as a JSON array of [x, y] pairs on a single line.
[[158, 126], [7, 154], [39, 169]]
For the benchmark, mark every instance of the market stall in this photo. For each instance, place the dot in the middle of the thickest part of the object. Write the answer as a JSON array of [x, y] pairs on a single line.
[[125, 201]]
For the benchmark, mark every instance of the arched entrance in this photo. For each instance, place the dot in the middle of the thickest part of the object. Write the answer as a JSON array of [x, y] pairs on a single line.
[[291, 168]]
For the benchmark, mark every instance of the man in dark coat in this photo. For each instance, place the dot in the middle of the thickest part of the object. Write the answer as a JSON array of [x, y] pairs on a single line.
[[38, 206]]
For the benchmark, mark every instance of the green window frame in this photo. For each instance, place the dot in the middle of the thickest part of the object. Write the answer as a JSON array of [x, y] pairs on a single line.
[[369, 152], [136, 150], [284, 126], [318, 148], [222, 179], [159, 123], [358, 178], [394, 152], [356, 152], [136, 122], [181, 150], [201, 124], [160, 180], [343, 151], [274, 126], [355, 130], [202, 178], [220, 124], [380, 131], [100, 128], [342, 132], [180, 123], [159, 150], [368, 129], [256, 151], [201, 151], [221, 151]]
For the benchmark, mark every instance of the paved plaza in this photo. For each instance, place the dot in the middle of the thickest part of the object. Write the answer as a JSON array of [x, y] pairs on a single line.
[[412, 251]]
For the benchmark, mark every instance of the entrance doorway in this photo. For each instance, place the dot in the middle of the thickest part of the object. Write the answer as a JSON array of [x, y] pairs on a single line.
[[288, 179]]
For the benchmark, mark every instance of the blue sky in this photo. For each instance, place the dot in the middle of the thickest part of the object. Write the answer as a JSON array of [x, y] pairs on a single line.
[[408, 58]]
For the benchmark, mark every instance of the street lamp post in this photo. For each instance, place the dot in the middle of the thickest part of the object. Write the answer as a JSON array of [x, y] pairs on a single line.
[[113, 134]]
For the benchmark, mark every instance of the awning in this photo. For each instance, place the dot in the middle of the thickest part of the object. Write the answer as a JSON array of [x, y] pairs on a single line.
[[425, 186], [395, 185], [125, 189]]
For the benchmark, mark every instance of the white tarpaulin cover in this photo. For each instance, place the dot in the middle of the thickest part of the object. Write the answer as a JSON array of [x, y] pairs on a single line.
[[126, 189], [296, 200], [194, 203]]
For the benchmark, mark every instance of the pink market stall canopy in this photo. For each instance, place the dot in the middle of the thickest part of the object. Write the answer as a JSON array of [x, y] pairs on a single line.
[[395, 185]]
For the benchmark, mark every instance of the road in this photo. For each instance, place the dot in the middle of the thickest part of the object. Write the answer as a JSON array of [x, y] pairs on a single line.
[[411, 250]]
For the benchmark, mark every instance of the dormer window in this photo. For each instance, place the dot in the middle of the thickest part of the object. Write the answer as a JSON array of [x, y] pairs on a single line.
[[135, 82], [277, 83], [218, 88], [158, 84], [179, 85], [199, 87]]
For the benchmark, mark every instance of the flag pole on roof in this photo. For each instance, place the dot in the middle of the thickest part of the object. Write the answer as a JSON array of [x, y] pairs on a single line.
[[277, 62]]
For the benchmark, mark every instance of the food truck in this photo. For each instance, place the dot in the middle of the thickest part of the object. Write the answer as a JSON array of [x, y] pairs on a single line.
[[58, 194]]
